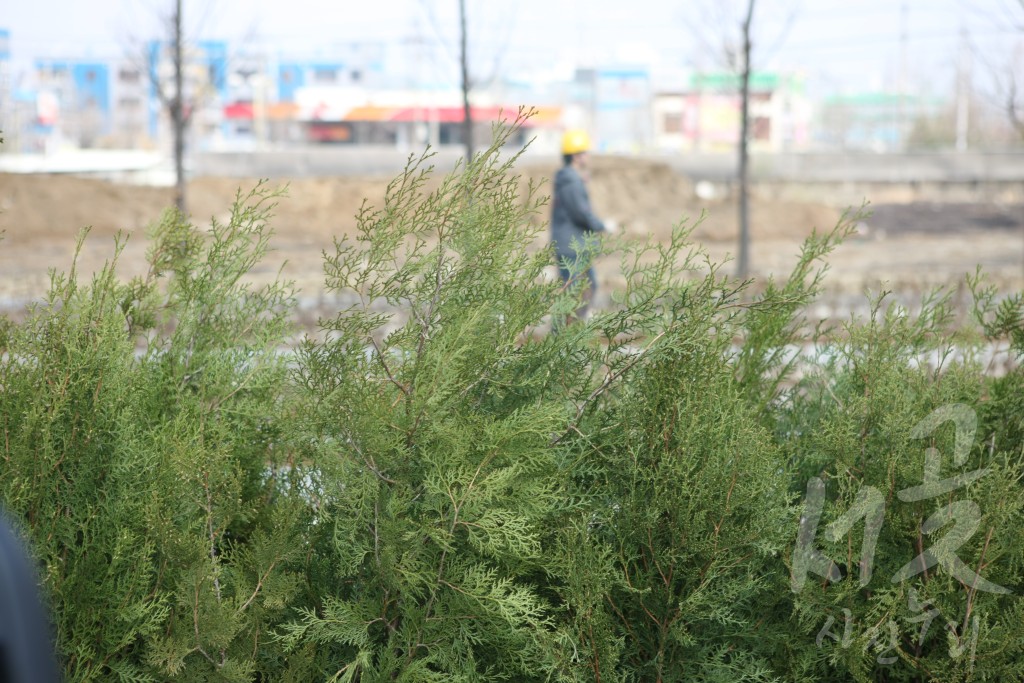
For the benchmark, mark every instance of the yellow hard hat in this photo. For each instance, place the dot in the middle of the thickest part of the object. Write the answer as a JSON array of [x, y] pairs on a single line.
[[575, 141]]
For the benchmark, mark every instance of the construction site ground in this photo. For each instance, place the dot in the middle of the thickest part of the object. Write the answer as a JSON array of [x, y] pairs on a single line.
[[907, 243]]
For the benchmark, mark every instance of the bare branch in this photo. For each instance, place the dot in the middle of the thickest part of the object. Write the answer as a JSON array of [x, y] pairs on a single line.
[[787, 26], [698, 33], [1001, 65], [500, 53], [1012, 108], [717, 30], [435, 26]]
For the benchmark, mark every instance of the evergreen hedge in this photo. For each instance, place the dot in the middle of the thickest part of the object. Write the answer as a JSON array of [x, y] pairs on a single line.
[[664, 492]]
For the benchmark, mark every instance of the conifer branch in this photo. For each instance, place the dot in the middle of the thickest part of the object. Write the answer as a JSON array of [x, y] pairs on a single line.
[[610, 378], [256, 591], [387, 370]]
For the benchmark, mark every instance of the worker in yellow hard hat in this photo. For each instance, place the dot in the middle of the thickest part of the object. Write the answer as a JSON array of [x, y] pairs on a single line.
[[572, 219]]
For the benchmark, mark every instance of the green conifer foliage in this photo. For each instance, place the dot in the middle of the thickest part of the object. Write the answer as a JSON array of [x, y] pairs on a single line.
[[894, 414], [67, 396], [687, 507], [1001, 323], [139, 421], [450, 482], [432, 435]]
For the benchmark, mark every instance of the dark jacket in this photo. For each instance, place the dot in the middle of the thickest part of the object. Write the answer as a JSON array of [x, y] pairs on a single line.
[[571, 216]]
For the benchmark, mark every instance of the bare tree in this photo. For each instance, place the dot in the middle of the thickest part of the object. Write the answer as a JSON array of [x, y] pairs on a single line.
[[1001, 61], [1013, 106], [173, 98], [1002, 89], [735, 51], [467, 112], [1014, 101], [467, 81], [743, 260], [180, 118], [1007, 78], [181, 97]]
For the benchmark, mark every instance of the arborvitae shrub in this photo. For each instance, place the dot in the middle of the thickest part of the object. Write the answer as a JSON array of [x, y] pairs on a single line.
[[139, 421], [864, 425], [432, 434], [447, 482], [581, 504]]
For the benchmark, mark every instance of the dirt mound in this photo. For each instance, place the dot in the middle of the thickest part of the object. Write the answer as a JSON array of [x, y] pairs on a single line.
[[46, 206], [646, 197], [649, 198], [41, 214], [770, 219], [53, 206], [309, 210]]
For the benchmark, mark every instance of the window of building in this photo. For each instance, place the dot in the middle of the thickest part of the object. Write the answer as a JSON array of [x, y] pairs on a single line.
[[761, 128], [129, 76], [672, 122], [325, 75]]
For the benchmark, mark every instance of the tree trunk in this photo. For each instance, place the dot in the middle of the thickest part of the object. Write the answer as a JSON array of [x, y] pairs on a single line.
[[743, 260], [178, 114], [467, 113]]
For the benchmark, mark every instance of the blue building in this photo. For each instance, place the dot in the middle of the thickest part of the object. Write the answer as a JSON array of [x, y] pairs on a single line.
[[290, 77], [205, 71], [293, 75], [80, 95]]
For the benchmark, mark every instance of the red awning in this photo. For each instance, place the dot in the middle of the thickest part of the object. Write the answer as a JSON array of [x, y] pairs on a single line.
[[444, 114], [239, 110]]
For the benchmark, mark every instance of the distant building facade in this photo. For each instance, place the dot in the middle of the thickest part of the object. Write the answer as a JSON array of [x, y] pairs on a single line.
[[205, 84], [873, 121], [130, 114], [614, 103], [704, 114], [73, 99], [346, 95]]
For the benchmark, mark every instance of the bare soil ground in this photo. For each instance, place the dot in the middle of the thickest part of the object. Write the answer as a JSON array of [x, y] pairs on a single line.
[[909, 246]]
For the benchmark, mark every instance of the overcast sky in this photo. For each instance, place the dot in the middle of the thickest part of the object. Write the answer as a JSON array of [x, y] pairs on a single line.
[[840, 45]]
